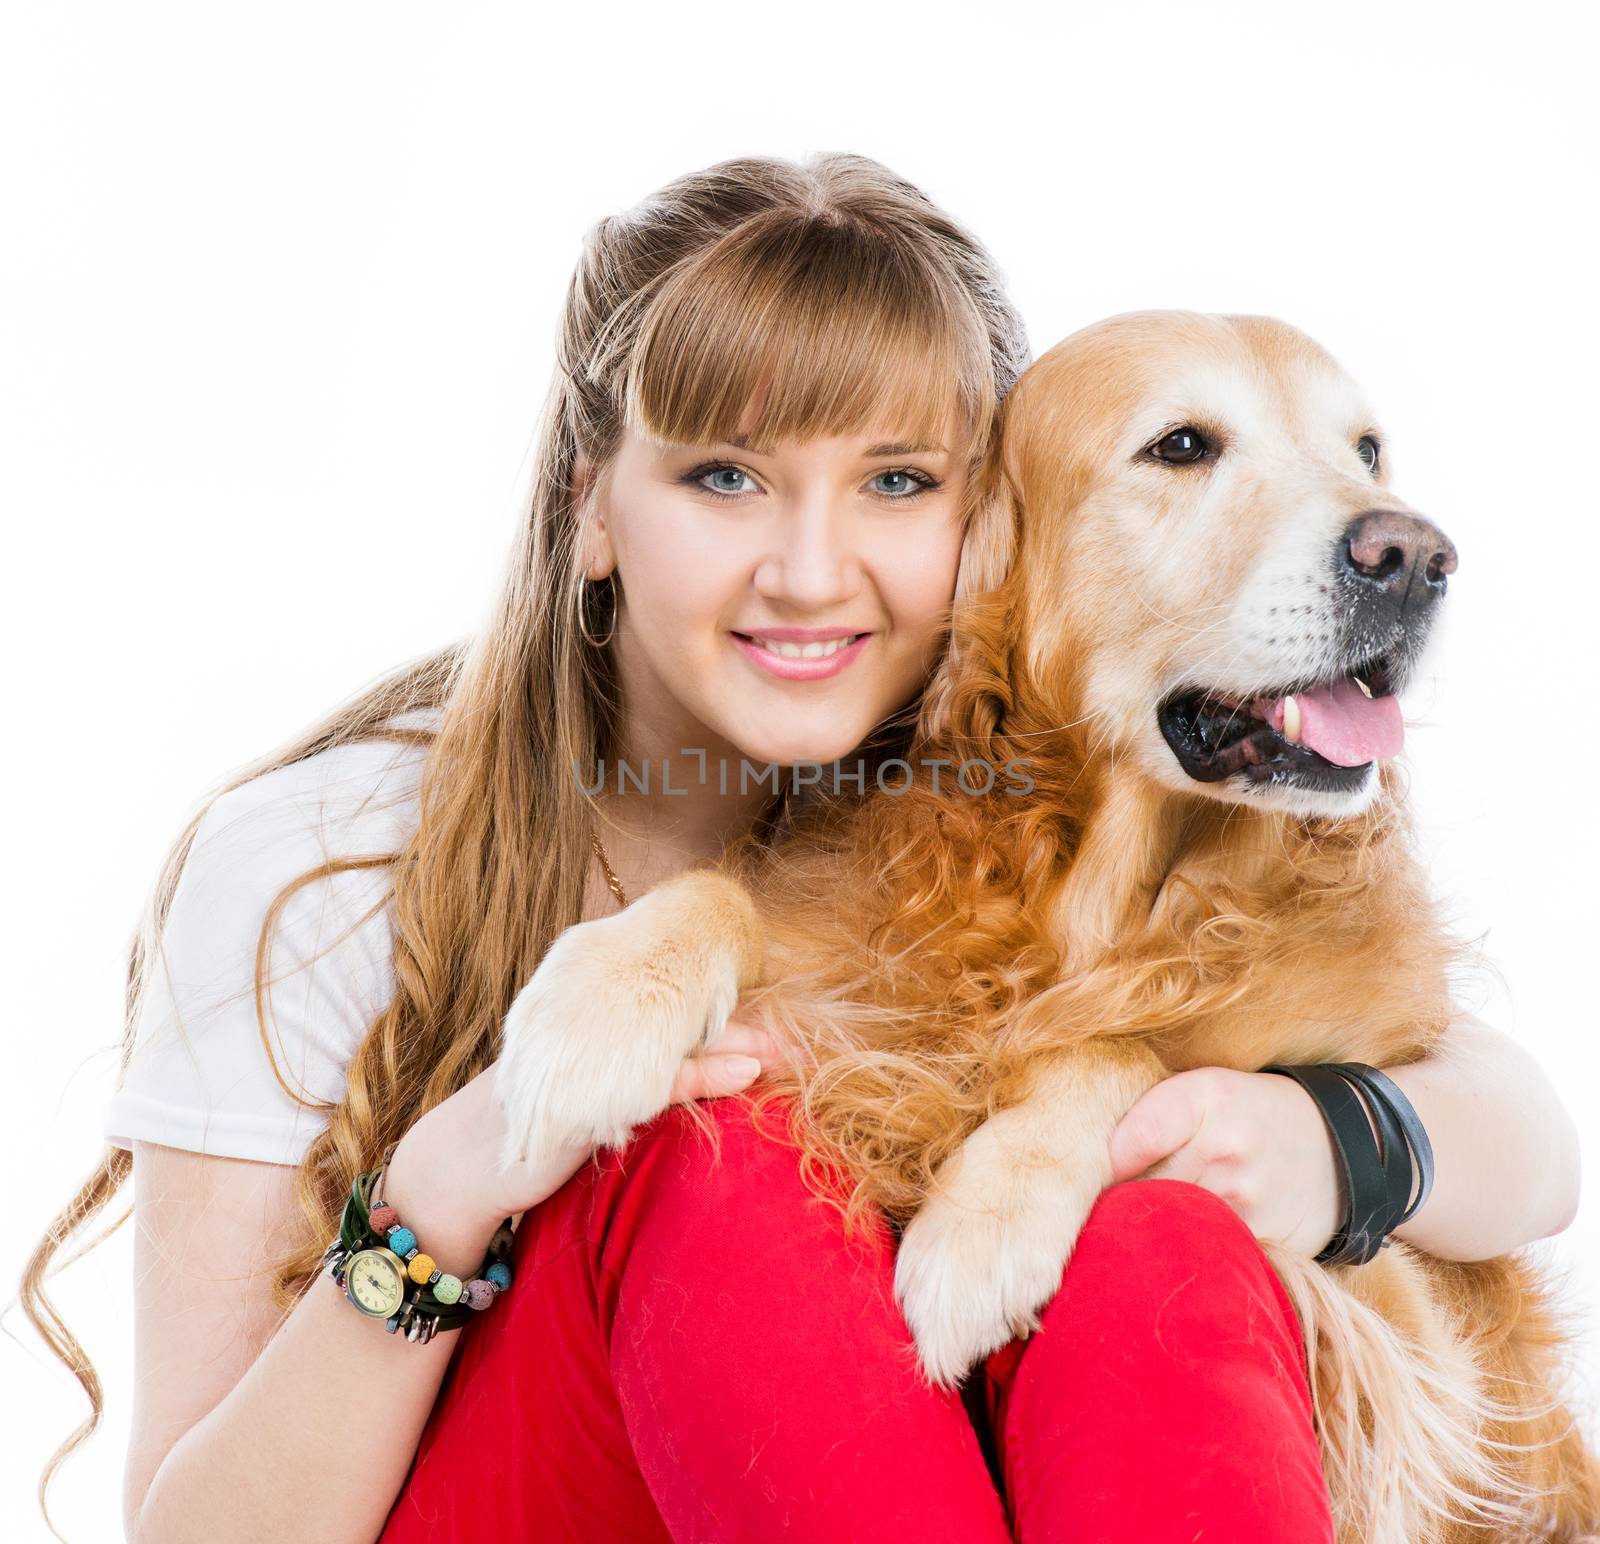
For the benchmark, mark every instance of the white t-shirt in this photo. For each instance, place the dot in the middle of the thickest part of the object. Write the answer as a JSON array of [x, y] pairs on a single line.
[[200, 1077]]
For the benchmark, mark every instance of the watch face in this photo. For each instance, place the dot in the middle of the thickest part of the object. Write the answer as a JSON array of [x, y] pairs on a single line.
[[374, 1279]]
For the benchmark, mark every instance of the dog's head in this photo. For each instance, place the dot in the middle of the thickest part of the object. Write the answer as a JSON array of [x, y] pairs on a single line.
[[1213, 574]]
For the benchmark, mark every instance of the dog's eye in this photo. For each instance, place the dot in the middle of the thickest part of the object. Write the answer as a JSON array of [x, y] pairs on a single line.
[[1367, 449], [1181, 446]]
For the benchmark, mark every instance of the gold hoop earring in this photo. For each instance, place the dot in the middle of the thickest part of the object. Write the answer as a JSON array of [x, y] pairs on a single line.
[[580, 605]]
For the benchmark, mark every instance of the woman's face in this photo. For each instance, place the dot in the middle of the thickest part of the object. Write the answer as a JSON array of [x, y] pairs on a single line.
[[776, 605]]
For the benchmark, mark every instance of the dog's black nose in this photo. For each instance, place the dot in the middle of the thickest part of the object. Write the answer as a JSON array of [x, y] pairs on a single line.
[[1395, 558]]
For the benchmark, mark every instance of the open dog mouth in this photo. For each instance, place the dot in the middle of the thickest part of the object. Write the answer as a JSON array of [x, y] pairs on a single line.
[[1321, 734]]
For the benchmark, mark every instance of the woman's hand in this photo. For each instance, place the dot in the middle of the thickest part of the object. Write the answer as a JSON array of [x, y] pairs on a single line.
[[1256, 1139], [1506, 1150], [445, 1171]]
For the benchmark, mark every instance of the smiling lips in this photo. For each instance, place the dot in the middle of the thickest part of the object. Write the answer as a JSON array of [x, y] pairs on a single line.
[[801, 653]]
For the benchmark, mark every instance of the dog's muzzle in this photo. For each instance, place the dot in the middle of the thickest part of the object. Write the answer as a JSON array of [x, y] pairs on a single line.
[[1389, 574]]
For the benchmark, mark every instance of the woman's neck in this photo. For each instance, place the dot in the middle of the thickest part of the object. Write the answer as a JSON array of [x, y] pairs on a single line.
[[672, 800], [645, 844], [683, 780]]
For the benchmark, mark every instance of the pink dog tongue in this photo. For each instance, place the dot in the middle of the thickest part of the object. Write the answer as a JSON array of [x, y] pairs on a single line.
[[1343, 724]]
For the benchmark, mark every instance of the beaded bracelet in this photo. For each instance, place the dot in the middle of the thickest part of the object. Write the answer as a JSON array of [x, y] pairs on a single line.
[[380, 1268]]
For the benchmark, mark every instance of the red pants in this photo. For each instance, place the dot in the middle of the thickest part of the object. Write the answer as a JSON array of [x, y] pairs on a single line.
[[691, 1350]]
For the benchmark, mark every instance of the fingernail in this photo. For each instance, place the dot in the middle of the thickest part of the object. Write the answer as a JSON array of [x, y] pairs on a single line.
[[741, 1069]]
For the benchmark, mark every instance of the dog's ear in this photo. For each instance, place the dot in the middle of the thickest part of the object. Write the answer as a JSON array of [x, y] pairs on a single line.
[[987, 553], [990, 545]]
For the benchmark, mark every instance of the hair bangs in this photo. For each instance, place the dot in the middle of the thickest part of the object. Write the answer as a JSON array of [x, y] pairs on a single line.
[[797, 330]]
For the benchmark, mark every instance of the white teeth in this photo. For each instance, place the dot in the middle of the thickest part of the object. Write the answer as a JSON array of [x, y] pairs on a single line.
[[806, 650], [1366, 690], [1291, 720]]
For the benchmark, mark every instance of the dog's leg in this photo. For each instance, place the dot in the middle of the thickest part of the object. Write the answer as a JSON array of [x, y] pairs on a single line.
[[594, 1041], [987, 1249]]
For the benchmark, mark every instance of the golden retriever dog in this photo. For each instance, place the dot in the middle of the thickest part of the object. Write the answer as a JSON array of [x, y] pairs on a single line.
[[1187, 603]]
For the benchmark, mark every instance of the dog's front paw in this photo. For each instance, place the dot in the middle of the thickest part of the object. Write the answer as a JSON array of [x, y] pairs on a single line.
[[986, 1252], [594, 1041]]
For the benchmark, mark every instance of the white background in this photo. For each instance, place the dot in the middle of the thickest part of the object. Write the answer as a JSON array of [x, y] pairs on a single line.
[[278, 289]]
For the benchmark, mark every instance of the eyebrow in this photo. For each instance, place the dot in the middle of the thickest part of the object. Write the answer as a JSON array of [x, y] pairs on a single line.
[[743, 443]]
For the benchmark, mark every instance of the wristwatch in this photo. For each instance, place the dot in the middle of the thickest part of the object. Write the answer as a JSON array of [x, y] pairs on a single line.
[[375, 1281], [385, 1275]]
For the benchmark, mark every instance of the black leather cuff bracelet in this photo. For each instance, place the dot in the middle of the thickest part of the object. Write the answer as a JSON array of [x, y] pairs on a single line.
[[1385, 1096], [1377, 1181]]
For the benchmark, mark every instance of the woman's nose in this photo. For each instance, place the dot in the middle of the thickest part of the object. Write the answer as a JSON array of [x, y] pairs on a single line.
[[812, 562]]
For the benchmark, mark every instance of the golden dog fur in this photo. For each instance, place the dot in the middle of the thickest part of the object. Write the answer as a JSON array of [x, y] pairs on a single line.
[[982, 985]]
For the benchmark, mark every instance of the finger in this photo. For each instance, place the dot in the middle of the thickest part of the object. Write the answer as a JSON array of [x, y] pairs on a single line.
[[710, 1077], [1186, 1163], [745, 1038], [1160, 1122], [752, 1040]]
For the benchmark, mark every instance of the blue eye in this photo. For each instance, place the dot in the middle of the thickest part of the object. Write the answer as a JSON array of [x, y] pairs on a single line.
[[912, 483], [719, 471], [919, 483]]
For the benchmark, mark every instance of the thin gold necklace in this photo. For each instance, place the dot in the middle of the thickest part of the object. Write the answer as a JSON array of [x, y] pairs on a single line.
[[605, 863]]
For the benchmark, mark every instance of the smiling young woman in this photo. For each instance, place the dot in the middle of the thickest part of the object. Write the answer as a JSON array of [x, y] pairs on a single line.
[[759, 487]]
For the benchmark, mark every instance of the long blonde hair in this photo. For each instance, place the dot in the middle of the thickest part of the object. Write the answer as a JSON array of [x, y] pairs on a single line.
[[862, 304]]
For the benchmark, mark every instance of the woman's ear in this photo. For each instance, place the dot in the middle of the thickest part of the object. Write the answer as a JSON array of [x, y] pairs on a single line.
[[582, 491], [597, 552]]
